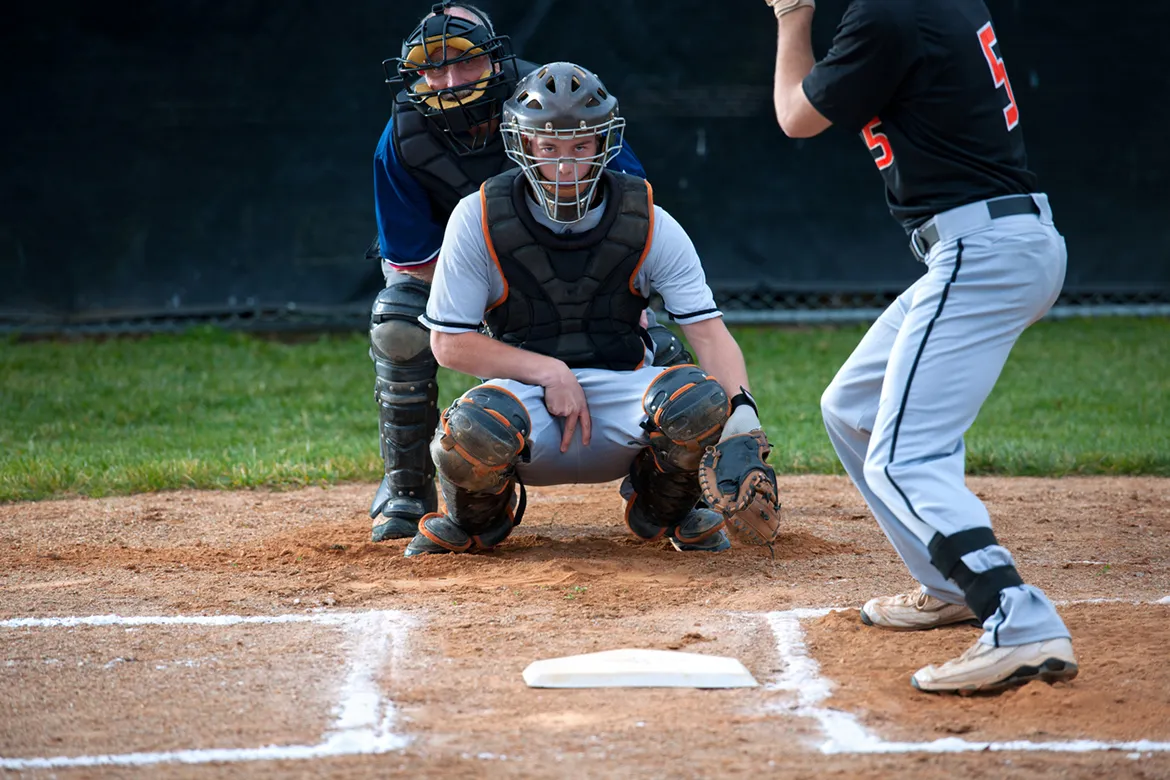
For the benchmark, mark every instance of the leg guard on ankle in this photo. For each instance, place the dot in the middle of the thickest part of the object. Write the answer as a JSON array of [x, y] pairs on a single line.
[[480, 441], [663, 503], [980, 589], [473, 521], [407, 395]]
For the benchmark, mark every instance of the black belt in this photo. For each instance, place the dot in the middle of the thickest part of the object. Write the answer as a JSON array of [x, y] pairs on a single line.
[[927, 236]]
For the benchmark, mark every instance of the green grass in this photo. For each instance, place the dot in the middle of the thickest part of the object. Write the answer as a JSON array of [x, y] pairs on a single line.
[[211, 409], [1076, 397]]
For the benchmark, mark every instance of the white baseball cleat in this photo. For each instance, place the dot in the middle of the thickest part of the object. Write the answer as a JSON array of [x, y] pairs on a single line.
[[914, 612], [983, 668]]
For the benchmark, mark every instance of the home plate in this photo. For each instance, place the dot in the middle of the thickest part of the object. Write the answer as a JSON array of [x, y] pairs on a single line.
[[632, 668]]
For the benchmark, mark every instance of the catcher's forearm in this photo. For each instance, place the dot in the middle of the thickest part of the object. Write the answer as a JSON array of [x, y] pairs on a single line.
[[482, 356], [718, 353]]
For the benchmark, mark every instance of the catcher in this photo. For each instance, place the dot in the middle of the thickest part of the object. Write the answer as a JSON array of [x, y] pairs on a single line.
[[558, 257]]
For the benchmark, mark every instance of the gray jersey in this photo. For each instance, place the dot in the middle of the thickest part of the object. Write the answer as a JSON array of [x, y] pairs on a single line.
[[467, 281]]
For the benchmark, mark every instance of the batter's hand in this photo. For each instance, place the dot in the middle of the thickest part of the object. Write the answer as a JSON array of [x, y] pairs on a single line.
[[781, 7], [563, 397]]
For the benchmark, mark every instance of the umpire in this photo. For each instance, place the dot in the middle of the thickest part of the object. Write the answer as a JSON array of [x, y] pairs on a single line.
[[440, 144]]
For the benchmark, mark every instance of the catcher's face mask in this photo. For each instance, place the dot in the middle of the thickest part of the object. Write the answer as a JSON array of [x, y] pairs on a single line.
[[562, 129], [564, 167], [457, 72]]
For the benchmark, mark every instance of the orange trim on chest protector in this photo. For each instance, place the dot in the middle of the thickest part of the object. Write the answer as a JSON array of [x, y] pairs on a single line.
[[649, 238], [491, 248]]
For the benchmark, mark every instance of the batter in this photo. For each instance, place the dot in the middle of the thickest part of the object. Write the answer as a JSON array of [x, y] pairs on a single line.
[[924, 84]]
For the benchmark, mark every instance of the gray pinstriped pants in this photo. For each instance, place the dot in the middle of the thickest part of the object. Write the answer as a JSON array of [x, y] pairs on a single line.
[[898, 409]]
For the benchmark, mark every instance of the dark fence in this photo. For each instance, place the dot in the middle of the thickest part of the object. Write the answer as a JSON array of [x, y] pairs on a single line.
[[199, 158]]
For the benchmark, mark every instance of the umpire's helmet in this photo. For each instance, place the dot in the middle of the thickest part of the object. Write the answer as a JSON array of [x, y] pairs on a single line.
[[467, 113], [562, 100]]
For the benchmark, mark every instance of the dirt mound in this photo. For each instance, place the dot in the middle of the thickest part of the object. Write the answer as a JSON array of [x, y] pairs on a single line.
[[1122, 692], [570, 579]]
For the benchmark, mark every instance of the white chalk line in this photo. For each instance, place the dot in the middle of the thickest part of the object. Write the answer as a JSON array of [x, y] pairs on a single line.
[[363, 721], [1129, 602], [844, 733], [326, 618]]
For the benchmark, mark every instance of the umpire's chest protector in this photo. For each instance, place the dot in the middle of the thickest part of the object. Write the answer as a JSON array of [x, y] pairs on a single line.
[[446, 176], [571, 296]]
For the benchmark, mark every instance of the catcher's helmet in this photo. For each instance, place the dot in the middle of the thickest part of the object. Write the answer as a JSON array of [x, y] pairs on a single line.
[[562, 100], [467, 113]]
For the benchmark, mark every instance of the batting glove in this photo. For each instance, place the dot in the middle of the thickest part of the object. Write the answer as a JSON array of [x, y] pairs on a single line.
[[781, 7]]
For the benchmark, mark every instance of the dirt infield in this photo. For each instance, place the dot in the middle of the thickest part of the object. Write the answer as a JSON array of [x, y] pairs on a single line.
[[296, 665]]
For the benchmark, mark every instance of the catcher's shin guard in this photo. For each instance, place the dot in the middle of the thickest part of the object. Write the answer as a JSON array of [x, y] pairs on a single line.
[[686, 410], [480, 441], [663, 504], [473, 521], [407, 394]]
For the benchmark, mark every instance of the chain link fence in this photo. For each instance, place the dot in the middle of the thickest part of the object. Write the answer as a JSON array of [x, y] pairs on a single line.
[[766, 307], [816, 308]]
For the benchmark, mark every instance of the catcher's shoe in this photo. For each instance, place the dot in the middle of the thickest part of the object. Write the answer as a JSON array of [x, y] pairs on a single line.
[[438, 533], [700, 531], [914, 612], [983, 668], [716, 542]]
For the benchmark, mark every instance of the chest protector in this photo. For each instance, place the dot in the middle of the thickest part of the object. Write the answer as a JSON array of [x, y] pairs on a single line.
[[445, 176], [571, 296]]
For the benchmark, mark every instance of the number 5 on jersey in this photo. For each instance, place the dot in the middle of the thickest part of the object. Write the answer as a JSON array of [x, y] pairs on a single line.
[[878, 143], [1011, 112]]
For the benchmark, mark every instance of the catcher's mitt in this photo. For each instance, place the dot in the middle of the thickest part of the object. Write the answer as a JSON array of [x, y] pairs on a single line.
[[738, 484]]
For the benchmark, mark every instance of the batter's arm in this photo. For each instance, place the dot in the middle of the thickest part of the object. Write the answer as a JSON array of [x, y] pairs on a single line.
[[718, 353], [794, 61]]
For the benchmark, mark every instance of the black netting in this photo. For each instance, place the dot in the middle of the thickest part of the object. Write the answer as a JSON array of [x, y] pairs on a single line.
[[756, 307]]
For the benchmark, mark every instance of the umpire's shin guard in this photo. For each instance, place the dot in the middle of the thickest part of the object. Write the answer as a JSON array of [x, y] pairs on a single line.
[[407, 394]]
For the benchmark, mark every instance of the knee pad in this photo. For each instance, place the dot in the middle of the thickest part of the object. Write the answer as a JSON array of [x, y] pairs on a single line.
[[481, 438], [980, 589], [396, 335], [686, 411]]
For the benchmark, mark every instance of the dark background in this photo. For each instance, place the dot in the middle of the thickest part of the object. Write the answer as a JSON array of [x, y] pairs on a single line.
[[202, 156]]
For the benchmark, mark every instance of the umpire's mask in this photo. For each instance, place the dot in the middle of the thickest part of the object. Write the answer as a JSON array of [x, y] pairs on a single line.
[[457, 73]]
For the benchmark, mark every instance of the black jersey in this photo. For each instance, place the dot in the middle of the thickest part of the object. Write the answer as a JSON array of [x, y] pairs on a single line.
[[924, 83]]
